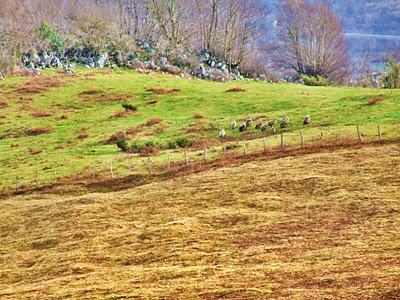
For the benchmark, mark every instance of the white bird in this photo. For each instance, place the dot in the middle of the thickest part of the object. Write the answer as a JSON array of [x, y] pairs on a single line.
[[222, 133], [234, 125], [307, 120]]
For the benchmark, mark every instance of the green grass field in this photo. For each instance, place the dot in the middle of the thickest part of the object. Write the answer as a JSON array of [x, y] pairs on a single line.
[[82, 112]]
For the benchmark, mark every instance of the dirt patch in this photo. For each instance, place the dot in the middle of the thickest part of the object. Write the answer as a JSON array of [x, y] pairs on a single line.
[[134, 131], [38, 85], [122, 114], [201, 143], [375, 99], [82, 134], [91, 92], [162, 91], [193, 128], [235, 90], [41, 114], [39, 130], [198, 116], [35, 151], [153, 122]]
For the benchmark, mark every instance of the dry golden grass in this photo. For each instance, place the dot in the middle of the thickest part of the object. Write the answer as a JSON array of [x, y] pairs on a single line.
[[321, 226]]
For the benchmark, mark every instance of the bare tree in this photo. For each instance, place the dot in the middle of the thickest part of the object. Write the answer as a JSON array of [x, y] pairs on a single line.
[[311, 41]]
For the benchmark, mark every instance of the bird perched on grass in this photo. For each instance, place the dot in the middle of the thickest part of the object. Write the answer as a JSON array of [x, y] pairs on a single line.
[[234, 125], [307, 120], [222, 134], [271, 122], [248, 122], [285, 122], [259, 125]]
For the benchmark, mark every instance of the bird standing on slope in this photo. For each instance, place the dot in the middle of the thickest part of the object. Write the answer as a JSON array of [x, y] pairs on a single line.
[[222, 134], [307, 120]]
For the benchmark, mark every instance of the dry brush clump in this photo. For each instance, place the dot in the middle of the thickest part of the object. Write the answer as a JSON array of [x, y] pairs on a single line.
[[162, 91], [39, 130], [235, 90], [154, 121], [375, 99], [97, 95], [41, 114], [39, 84]]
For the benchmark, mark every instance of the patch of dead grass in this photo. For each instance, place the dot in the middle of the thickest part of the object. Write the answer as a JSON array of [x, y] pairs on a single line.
[[375, 99], [273, 229], [35, 150], [39, 84], [41, 114], [162, 91], [39, 130], [235, 90], [154, 121]]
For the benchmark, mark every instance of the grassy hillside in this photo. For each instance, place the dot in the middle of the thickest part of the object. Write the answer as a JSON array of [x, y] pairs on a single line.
[[322, 226], [64, 122]]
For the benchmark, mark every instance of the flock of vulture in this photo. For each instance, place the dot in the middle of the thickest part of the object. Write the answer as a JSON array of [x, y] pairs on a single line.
[[268, 125]]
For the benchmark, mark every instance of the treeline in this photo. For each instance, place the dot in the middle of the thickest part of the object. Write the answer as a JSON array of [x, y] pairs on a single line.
[[305, 44], [231, 29]]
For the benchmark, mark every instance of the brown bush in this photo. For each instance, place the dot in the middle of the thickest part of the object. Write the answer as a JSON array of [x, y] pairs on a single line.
[[63, 117], [115, 138], [154, 121], [3, 104], [162, 91], [41, 114], [235, 90], [40, 130], [35, 151], [375, 99]]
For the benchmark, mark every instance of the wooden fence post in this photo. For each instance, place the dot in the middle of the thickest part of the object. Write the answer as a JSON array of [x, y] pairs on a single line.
[[205, 155], [265, 145], [379, 133], [186, 158], [36, 179], [111, 170], [301, 139], [282, 142], [321, 134], [149, 166], [130, 165], [169, 163], [359, 134], [16, 183], [55, 175], [244, 148], [93, 174]]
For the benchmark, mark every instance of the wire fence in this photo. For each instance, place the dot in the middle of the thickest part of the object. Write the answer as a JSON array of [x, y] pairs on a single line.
[[170, 162]]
